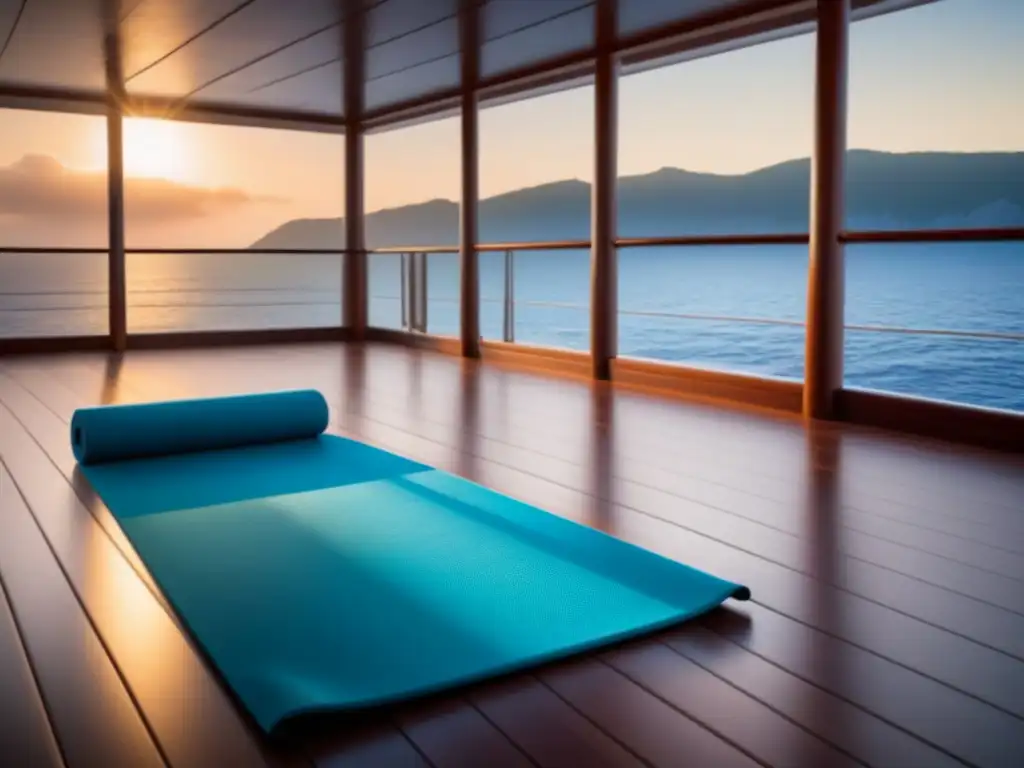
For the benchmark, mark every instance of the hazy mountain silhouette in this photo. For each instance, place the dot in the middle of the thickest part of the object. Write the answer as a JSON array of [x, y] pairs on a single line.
[[884, 190]]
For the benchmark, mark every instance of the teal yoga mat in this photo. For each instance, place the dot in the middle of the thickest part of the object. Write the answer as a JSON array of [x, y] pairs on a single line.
[[319, 573]]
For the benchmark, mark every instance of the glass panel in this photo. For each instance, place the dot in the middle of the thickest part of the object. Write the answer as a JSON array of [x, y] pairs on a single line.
[[53, 194], [385, 288], [536, 158], [718, 145], [232, 291], [736, 308], [936, 110], [966, 287], [412, 185], [536, 163], [492, 295], [443, 311], [196, 186], [53, 294], [552, 298]]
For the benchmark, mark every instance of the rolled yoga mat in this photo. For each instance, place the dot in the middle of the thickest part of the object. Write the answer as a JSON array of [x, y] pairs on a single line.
[[319, 573]]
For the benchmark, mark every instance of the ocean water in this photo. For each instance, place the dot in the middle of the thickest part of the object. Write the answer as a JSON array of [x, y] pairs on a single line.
[[732, 290]]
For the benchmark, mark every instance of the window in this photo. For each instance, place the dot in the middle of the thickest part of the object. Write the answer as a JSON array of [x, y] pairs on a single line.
[[53, 195], [717, 146], [536, 158], [412, 193], [936, 130], [196, 186]]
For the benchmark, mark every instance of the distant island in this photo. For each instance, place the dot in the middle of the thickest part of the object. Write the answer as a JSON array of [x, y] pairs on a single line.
[[885, 190]]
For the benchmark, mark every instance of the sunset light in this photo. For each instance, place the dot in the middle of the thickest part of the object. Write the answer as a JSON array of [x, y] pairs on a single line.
[[154, 149]]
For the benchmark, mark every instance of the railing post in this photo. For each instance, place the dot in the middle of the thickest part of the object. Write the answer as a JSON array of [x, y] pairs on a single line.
[[423, 277], [603, 274], [511, 295], [355, 265], [823, 367], [403, 295], [469, 272], [411, 282], [115, 93], [508, 329]]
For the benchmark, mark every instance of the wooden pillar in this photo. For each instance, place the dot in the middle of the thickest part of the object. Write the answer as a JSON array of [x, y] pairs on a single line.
[[116, 283], [469, 265], [603, 206], [356, 280], [823, 375]]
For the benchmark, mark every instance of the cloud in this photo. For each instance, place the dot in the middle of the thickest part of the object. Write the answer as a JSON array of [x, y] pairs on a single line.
[[38, 186]]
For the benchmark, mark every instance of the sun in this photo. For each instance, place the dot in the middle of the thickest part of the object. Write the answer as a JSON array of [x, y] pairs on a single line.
[[154, 149]]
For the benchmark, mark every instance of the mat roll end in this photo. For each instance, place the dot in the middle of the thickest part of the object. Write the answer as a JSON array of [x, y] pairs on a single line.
[[141, 430]]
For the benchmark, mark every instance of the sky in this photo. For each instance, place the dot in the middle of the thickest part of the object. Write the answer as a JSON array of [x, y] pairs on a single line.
[[940, 77]]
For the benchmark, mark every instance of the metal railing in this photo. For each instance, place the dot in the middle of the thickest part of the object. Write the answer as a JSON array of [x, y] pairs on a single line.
[[413, 295], [36, 309], [414, 298]]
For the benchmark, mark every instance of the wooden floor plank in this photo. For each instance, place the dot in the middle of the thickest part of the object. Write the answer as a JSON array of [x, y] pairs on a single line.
[[93, 716], [653, 728], [852, 728], [985, 624], [732, 500], [458, 737], [964, 727], [25, 734], [946, 571], [454, 735], [746, 722], [548, 730], [887, 622], [371, 743], [191, 715]]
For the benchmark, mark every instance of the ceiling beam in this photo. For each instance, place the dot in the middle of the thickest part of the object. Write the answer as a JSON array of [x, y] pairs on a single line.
[[705, 35]]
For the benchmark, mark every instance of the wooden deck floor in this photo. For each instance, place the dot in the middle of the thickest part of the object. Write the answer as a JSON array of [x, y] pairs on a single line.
[[886, 629]]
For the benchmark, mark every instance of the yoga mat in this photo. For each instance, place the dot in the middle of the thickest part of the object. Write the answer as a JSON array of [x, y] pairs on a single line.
[[320, 573]]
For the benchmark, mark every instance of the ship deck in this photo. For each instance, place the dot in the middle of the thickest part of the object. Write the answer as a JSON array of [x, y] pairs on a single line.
[[886, 627]]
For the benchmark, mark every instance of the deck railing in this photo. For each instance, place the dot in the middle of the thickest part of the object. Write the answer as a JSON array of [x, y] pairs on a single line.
[[413, 295], [424, 292]]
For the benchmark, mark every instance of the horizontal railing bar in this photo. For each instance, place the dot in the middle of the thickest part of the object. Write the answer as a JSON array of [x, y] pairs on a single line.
[[996, 335], [980, 234], [784, 238], [34, 249], [988, 234], [715, 318], [551, 245], [157, 291], [400, 249], [232, 251], [184, 305], [175, 251]]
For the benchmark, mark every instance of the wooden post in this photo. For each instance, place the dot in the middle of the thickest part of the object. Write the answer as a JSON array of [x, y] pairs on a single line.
[[356, 280], [823, 375], [115, 95], [603, 207], [469, 266]]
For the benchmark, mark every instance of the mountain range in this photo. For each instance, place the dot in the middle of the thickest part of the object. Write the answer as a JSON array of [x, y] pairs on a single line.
[[884, 190]]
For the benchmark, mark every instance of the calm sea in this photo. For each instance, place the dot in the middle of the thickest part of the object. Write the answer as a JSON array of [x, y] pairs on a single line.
[[973, 287]]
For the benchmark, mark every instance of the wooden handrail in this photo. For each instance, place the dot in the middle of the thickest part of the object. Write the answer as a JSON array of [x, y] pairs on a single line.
[[978, 235]]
